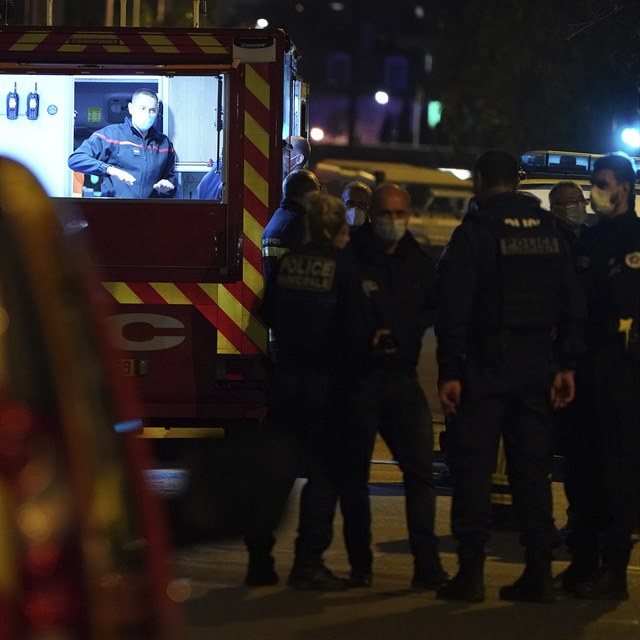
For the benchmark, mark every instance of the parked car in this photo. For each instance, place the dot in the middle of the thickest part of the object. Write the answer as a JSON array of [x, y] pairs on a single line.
[[83, 544]]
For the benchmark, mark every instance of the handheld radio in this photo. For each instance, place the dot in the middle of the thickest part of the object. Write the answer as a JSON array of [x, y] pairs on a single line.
[[13, 101], [33, 104]]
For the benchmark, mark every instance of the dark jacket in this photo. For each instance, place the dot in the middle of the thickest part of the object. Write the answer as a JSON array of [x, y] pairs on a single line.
[[608, 265], [148, 160], [314, 304], [400, 290], [506, 279], [285, 231]]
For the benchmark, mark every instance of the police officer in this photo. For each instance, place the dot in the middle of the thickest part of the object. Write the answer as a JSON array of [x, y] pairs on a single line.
[[569, 206], [397, 277], [314, 304], [509, 312], [602, 461]]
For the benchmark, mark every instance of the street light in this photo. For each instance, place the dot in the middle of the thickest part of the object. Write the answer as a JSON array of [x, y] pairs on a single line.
[[631, 137]]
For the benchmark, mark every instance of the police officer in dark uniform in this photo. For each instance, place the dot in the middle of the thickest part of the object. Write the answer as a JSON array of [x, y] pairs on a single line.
[[509, 315], [315, 306], [602, 460], [398, 280]]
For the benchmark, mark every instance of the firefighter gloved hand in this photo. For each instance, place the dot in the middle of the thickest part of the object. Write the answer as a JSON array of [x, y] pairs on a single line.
[[163, 186], [121, 175]]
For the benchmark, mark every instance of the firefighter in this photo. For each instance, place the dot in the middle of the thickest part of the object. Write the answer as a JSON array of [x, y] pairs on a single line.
[[315, 306], [602, 461], [509, 307], [397, 277], [134, 158], [286, 229]]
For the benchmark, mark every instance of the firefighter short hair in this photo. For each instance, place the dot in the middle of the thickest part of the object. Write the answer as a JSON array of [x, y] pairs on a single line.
[[144, 92], [298, 183], [326, 217]]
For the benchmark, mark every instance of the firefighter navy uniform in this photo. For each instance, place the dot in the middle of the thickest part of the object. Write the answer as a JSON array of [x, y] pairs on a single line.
[[285, 231], [147, 159], [602, 459], [509, 311]]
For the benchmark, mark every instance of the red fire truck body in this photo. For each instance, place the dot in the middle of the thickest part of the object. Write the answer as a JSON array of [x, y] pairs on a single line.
[[184, 273]]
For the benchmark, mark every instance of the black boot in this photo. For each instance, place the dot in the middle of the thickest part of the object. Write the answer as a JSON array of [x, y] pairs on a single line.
[[535, 584], [611, 581], [428, 573], [584, 567], [261, 571], [468, 584]]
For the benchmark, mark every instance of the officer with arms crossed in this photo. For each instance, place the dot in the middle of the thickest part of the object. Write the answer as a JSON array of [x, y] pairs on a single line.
[[135, 159], [509, 315], [602, 460]]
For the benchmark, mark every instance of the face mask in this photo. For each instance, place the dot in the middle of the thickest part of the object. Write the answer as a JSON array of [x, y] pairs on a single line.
[[574, 214], [601, 201], [143, 121], [355, 217], [389, 230]]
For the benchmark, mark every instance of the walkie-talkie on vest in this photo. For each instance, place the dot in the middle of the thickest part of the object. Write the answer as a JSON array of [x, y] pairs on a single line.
[[13, 101], [33, 104]]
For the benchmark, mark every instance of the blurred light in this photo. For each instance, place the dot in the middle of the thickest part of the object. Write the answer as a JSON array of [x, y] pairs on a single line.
[[419, 11], [262, 23], [317, 133], [128, 425], [382, 97], [336, 6], [299, 8], [462, 174], [434, 113], [631, 137]]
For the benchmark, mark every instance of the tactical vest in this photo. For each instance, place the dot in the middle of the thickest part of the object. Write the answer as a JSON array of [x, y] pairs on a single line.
[[306, 304], [529, 273]]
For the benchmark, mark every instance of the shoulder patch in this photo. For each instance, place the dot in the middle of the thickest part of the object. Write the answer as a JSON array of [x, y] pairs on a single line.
[[306, 273], [632, 260]]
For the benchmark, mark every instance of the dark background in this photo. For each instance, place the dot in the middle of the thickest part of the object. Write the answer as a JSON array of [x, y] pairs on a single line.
[[554, 74]]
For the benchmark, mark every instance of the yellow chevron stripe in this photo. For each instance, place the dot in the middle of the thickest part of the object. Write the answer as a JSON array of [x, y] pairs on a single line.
[[225, 300], [71, 48], [224, 346], [117, 48], [256, 184], [256, 134], [501, 498], [500, 479], [255, 330], [160, 43], [208, 43], [252, 278], [121, 293], [259, 87], [170, 293], [28, 42], [252, 228]]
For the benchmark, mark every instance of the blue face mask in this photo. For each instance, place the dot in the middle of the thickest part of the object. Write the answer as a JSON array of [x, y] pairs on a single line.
[[143, 121]]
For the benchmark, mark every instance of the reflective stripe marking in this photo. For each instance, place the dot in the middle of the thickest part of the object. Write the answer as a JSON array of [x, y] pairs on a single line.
[[160, 43], [277, 252], [122, 293], [252, 229], [501, 498], [170, 293], [28, 42], [256, 134], [256, 184], [258, 87], [223, 298], [252, 278], [224, 346], [208, 43]]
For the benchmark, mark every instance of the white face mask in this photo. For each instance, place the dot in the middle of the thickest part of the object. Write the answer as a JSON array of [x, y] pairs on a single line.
[[355, 217], [388, 229], [142, 121], [574, 214], [601, 201]]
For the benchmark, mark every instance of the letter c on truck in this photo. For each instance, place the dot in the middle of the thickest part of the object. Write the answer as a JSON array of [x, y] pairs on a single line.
[[153, 332]]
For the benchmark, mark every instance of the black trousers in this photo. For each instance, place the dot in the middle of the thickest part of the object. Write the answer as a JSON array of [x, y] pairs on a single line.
[[391, 401], [512, 400], [602, 455]]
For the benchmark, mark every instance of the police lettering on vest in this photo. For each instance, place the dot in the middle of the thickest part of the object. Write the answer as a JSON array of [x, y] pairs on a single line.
[[306, 273]]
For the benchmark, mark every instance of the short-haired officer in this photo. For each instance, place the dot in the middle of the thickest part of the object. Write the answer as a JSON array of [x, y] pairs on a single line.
[[509, 313]]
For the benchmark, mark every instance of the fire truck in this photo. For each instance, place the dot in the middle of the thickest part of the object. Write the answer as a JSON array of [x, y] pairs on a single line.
[[184, 274]]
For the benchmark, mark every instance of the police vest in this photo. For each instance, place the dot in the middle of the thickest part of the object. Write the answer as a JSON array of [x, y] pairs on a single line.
[[306, 304], [529, 272]]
